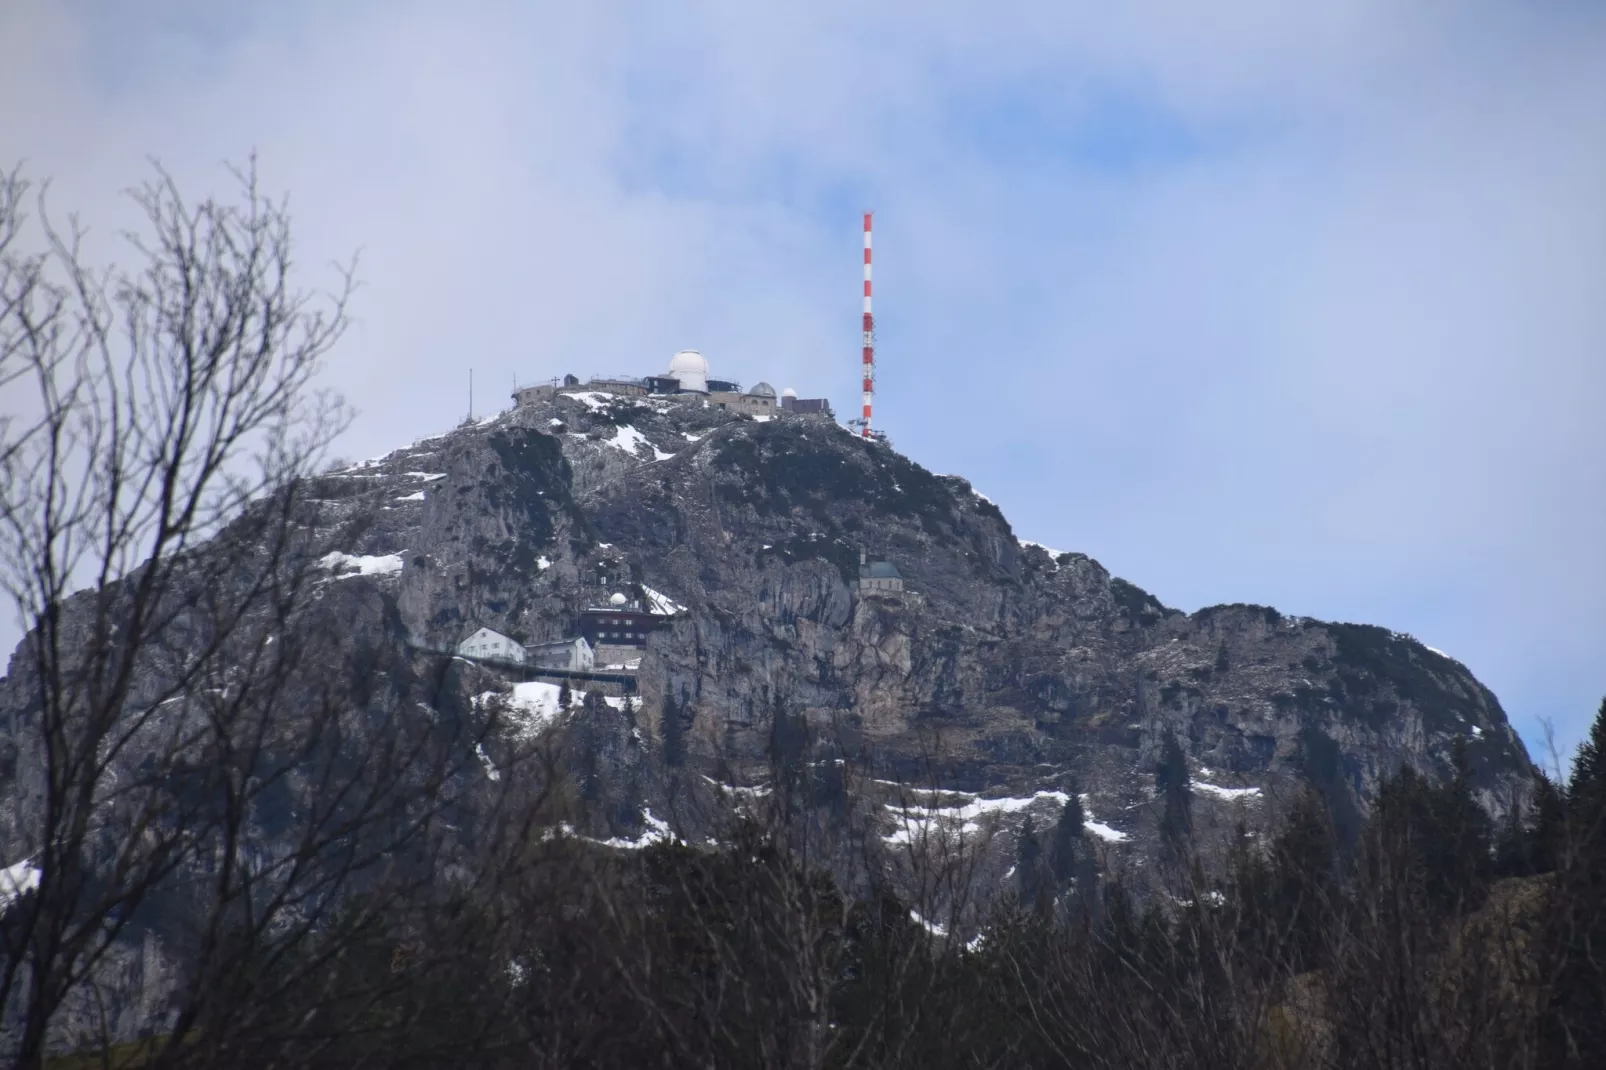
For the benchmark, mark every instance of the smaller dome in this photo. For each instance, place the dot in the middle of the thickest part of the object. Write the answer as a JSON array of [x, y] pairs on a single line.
[[617, 600], [789, 392], [761, 390]]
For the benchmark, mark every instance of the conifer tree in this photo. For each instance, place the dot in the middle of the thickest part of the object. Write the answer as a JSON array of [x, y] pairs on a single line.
[[1550, 821], [1576, 936], [590, 729], [1171, 785], [789, 740], [1586, 790], [1464, 834], [672, 727], [1531, 837], [1066, 846], [1438, 835], [1304, 877], [1028, 861]]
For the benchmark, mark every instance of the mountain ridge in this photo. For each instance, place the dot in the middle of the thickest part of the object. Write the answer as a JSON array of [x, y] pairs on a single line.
[[757, 527], [935, 722], [1029, 670]]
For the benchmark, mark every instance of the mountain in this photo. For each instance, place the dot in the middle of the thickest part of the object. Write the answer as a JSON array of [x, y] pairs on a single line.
[[1002, 678], [1003, 671]]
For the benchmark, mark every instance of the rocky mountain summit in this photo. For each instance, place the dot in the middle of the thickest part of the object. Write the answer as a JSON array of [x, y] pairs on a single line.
[[1005, 673], [1000, 680]]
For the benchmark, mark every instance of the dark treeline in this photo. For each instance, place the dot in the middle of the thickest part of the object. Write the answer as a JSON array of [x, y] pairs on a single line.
[[1431, 939]]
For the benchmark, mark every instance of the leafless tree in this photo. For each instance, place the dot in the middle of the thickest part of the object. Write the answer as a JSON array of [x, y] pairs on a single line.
[[195, 763]]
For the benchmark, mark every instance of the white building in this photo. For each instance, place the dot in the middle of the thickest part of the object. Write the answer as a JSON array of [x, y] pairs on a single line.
[[575, 655], [486, 643]]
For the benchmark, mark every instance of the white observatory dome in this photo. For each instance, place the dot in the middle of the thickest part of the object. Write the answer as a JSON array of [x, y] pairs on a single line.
[[789, 392], [762, 390], [691, 369], [617, 600]]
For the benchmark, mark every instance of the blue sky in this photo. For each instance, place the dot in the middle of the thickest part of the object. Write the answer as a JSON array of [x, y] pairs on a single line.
[[1251, 301]]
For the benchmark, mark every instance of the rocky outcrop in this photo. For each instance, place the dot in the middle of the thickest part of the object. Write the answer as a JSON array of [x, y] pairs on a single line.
[[1005, 672], [1033, 669]]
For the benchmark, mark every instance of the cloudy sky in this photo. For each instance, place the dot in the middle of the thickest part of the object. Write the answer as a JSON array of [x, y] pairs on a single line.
[[1298, 304]]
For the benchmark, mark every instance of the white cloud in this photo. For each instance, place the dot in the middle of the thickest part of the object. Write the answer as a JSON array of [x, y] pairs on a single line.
[[1290, 303]]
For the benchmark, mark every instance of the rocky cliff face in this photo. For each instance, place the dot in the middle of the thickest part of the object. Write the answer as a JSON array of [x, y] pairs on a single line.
[[1005, 670], [1005, 673]]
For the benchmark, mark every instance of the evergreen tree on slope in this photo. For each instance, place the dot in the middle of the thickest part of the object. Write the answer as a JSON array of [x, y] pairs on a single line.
[[1576, 1026], [1171, 785]]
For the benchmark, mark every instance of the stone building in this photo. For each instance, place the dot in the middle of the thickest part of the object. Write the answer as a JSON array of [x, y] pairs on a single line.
[[529, 395], [628, 388], [759, 401], [879, 577]]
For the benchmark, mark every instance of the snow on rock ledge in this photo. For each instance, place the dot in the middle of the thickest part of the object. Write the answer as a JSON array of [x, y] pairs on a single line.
[[660, 604], [16, 881], [364, 565], [630, 441]]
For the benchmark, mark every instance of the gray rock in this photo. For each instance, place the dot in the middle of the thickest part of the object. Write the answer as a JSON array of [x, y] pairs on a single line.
[[1001, 672]]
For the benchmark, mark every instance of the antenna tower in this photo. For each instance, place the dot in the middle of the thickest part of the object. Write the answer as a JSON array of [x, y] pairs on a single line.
[[869, 336]]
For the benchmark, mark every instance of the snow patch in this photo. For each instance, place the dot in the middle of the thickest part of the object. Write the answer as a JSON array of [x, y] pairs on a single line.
[[1055, 554], [371, 462], [1477, 733], [691, 437], [535, 704], [1104, 832], [364, 564], [930, 926], [660, 604], [657, 831], [973, 810], [485, 760], [1099, 828], [1230, 794], [415, 496], [756, 792], [543, 563], [919, 822], [427, 477], [630, 441], [16, 881], [591, 399]]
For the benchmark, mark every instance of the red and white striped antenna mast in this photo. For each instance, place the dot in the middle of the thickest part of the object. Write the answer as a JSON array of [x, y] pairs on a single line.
[[869, 336]]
